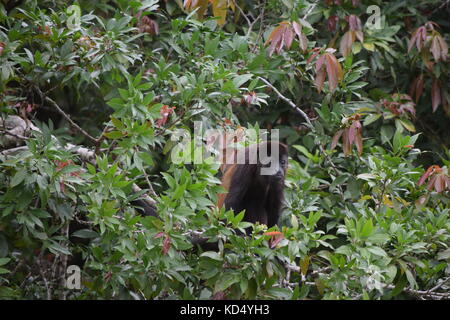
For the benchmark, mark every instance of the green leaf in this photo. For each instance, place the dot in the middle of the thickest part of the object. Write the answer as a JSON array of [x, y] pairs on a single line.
[[408, 125], [18, 178], [371, 119], [212, 255], [114, 135], [226, 281], [4, 261], [85, 234], [241, 79], [367, 229], [377, 251]]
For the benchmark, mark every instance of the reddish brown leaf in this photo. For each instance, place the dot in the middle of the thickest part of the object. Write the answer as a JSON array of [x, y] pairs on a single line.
[[315, 53], [332, 22], [412, 40], [276, 240], [275, 39], [166, 245], [435, 48], [297, 28], [288, 37], [444, 48], [335, 139], [334, 70], [417, 87], [435, 94], [351, 134], [346, 146], [320, 62], [421, 38], [346, 43], [431, 182], [303, 42], [359, 142], [220, 295], [320, 79], [432, 169], [359, 35], [159, 235], [354, 23], [439, 184], [273, 233]]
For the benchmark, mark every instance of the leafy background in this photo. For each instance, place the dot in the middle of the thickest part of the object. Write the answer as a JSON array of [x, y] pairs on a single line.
[[88, 107]]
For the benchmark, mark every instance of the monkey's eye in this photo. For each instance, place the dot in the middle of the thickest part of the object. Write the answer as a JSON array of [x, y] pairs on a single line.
[[283, 162]]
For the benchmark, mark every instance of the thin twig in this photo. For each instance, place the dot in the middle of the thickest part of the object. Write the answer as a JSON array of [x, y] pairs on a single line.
[[66, 116], [308, 120], [292, 104], [250, 24], [311, 8]]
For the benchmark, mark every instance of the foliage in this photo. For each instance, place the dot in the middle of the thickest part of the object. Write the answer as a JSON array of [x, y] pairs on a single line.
[[370, 222]]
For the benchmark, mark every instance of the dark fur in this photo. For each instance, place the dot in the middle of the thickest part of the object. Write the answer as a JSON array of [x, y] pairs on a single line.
[[261, 196]]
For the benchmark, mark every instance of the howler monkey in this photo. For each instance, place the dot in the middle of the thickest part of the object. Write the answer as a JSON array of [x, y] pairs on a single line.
[[255, 184]]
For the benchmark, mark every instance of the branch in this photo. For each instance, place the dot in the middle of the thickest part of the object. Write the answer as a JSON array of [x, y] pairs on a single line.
[[305, 116], [85, 154], [250, 24], [66, 116], [292, 104], [311, 8]]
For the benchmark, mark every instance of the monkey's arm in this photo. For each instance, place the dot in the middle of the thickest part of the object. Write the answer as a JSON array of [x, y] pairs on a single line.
[[242, 179]]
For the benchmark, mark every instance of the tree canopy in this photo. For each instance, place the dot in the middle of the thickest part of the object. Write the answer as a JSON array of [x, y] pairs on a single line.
[[93, 95]]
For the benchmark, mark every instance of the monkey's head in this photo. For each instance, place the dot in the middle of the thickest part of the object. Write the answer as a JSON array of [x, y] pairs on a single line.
[[272, 162]]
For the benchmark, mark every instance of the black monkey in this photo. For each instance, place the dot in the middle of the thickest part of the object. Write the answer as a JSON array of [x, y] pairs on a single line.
[[257, 186], [254, 184]]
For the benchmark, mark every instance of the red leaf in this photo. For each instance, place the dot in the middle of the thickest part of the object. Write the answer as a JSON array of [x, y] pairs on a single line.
[[166, 245], [320, 62], [275, 241], [315, 53], [346, 43], [359, 142], [334, 70], [276, 39], [332, 23], [346, 146], [220, 295], [288, 36], [435, 94], [354, 23], [273, 233], [427, 173], [303, 42], [417, 87], [412, 41], [439, 184], [297, 28], [320, 79], [435, 48], [351, 134], [444, 48], [431, 183], [335, 139], [359, 34], [421, 37], [159, 235]]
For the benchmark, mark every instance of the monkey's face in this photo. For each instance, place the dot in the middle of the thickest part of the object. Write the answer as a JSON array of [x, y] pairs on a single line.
[[273, 170]]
